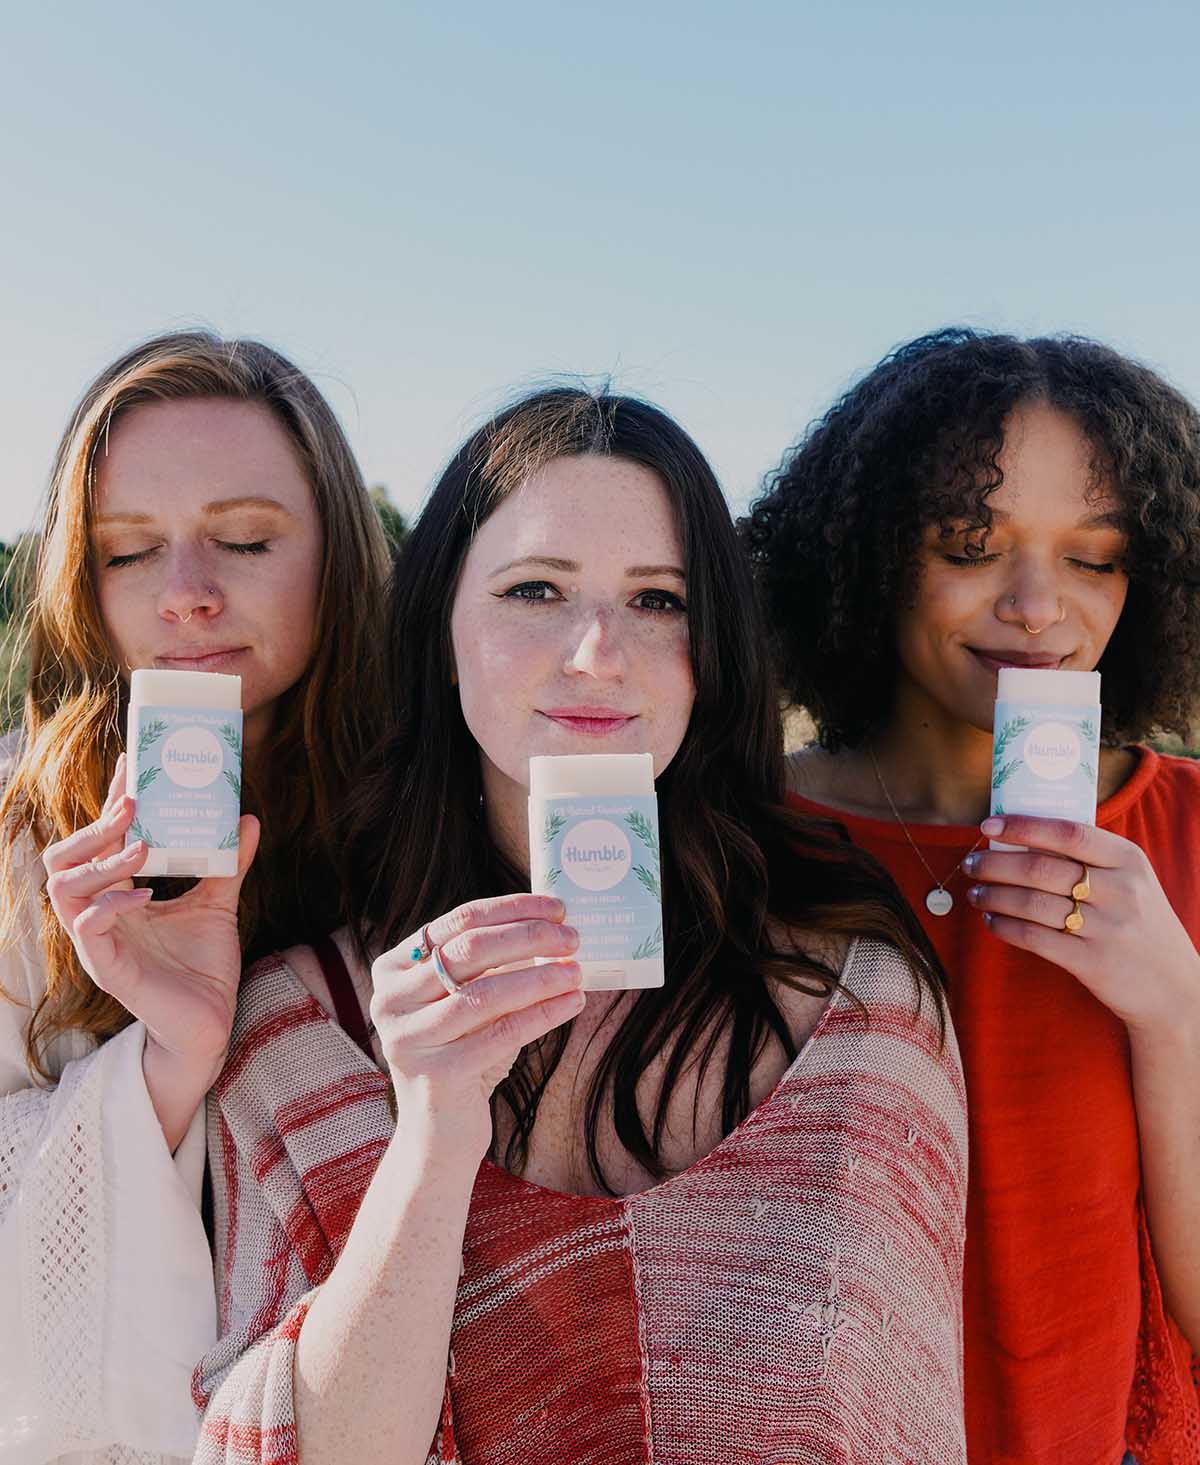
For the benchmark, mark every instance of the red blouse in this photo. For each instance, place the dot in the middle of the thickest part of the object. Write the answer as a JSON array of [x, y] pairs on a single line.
[[1070, 1357]]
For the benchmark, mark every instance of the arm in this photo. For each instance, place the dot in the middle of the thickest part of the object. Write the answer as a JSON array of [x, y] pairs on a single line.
[[390, 1295], [1134, 955]]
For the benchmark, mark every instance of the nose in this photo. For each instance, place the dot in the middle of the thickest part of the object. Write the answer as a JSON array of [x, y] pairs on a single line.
[[596, 648], [1032, 600], [188, 590]]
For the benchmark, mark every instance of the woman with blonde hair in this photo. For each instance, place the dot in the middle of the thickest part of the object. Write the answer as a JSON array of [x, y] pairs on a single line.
[[205, 512]]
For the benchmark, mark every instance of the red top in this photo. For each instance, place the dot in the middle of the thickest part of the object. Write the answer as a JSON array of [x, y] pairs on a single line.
[[1069, 1355]]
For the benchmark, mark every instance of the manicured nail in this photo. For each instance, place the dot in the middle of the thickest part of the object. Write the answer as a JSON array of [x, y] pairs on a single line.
[[970, 863], [992, 827], [987, 916], [131, 850], [975, 892]]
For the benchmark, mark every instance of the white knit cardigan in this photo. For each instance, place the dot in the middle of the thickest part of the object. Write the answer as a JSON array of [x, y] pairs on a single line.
[[106, 1286]]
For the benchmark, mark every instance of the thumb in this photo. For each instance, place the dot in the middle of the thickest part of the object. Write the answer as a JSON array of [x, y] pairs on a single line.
[[225, 889]]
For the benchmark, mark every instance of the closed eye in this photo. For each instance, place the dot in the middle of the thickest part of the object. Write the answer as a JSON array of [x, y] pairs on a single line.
[[969, 561], [1108, 568], [254, 546]]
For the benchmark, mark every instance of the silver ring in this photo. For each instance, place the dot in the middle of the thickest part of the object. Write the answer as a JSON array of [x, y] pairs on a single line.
[[451, 984], [420, 946]]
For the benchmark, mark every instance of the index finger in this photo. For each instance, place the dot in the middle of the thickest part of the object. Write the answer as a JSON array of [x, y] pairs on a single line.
[[495, 910], [1082, 842]]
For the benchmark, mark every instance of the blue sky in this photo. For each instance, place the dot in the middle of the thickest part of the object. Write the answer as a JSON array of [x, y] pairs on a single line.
[[731, 209]]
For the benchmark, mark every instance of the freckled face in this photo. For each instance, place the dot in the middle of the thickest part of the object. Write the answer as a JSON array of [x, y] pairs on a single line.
[[1047, 590], [569, 627], [207, 546]]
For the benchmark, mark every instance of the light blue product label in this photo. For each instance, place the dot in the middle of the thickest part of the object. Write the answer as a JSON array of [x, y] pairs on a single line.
[[1044, 761], [600, 854], [189, 777]]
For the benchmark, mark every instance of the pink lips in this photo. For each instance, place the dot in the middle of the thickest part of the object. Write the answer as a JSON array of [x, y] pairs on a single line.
[[200, 658], [596, 722], [995, 659]]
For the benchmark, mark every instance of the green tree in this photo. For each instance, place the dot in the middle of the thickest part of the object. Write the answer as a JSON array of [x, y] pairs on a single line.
[[395, 526]]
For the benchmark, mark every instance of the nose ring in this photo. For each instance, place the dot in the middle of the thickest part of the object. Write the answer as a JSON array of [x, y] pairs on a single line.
[[1062, 615], [183, 620]]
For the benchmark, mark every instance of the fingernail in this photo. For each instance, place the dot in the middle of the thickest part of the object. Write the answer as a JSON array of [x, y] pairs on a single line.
[[570, 933], [970, 863], [975, 892], [987, 917], [136, 848], [578, 1000], [992, 826]]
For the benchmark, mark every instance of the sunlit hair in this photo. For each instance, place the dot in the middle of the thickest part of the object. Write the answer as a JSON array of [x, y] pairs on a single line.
[[738, 866], [836, 537], [75, 702]]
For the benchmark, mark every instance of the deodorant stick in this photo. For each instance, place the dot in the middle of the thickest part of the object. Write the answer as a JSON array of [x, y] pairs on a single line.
[[1046, 745], [593, 842], [183, 766]]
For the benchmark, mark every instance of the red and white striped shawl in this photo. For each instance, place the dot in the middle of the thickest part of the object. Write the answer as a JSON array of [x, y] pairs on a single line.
[[795, 1295]]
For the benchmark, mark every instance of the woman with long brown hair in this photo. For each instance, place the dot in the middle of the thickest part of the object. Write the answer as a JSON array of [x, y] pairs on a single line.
[[205, 512], [716, 1220]]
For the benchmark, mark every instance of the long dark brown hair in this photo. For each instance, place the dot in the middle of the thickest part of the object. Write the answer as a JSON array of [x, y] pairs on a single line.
[[75, 701], [738, 865]]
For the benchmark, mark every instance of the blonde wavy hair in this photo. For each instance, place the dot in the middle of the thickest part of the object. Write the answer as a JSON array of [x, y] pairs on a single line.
[[72, 729]]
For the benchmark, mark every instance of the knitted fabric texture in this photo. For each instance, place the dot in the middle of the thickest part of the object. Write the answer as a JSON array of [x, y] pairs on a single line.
[[796, 1294]]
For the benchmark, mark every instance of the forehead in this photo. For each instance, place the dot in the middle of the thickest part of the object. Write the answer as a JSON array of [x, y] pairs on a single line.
[[163, 453], [1049, 465], [598, 507]]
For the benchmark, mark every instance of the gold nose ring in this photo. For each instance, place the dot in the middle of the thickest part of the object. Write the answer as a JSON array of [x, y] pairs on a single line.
[[1062, 615]]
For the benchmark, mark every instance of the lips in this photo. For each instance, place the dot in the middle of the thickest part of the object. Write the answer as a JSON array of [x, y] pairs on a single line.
[[597, 722], [996, 657], [200, 658]]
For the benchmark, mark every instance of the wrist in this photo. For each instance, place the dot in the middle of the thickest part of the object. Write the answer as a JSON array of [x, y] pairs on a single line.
[[176, 1085], [440, 1129]]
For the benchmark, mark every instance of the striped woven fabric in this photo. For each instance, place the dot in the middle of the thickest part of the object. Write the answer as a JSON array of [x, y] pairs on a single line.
[[793, 1296]]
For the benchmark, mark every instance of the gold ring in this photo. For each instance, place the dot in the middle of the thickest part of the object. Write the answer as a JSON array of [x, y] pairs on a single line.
[[1074, 922], [1083, 889]]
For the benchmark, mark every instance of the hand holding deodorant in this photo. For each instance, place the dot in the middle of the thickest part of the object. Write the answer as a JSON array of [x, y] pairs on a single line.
[[593, 842], [183, 767], [1046, 745]]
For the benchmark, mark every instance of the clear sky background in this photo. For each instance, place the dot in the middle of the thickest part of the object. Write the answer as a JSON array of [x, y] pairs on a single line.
[[732, 209]]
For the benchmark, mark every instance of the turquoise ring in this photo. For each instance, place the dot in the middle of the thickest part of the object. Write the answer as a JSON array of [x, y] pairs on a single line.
[[423, 947]]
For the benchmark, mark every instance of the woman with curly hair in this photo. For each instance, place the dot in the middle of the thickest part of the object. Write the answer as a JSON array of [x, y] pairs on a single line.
[[976, 502], [205, 513]]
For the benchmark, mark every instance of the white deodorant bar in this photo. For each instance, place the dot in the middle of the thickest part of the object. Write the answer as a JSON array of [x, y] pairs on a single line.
[[593, 842], [1046, 745], [184, 769]]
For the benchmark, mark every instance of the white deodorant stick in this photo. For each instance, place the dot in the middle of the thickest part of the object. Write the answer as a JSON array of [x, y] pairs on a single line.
[[593, 842], [183, 766], [1046, 745]]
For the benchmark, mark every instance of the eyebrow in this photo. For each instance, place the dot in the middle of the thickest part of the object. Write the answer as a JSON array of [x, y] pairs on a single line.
[[218, 506], [1106, 519], [571, 567]]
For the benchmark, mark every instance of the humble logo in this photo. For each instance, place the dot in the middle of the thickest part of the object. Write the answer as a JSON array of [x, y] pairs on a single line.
[[192, 758], [595, 854], [1052, 750]]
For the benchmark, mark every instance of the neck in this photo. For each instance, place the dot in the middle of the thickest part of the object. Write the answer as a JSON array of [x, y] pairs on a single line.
[[937, 768]]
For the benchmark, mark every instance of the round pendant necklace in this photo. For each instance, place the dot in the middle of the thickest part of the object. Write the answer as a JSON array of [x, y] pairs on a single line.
[[938, 901]]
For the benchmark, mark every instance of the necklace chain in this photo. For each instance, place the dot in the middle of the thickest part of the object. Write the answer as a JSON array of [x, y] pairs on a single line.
[[938, 908]]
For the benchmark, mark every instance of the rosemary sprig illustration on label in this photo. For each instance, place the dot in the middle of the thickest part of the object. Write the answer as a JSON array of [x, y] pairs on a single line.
[[650, 947], [149, 735], [555, 824], [139, 833], [232, 737], [552, 875], [235, 783], [1087, 731], [231, 839], [650, 880], [1005, 736], [1002, 775], [146, 777]]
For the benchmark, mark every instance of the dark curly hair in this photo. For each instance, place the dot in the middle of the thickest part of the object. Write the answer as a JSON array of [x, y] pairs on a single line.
[[835, 537]]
